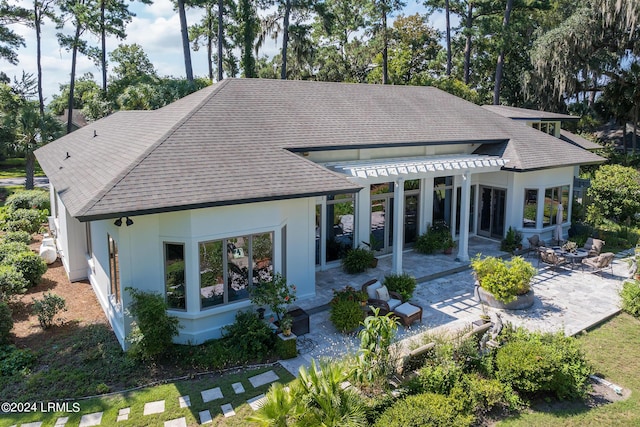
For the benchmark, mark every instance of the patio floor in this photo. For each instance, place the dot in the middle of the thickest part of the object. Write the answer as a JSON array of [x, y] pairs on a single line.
[[566, 300]]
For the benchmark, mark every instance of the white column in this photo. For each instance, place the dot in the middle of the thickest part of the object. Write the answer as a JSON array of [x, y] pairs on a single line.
[[398, 226], [363, 211], [465, 204], [426, 205]]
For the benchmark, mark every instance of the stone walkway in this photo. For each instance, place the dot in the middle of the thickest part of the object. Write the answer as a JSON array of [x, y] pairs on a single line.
[[158, 407]]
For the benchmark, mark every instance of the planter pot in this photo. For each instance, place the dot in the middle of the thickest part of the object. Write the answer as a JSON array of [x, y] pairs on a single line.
[[374, 263], [521, 302], [448, 251]]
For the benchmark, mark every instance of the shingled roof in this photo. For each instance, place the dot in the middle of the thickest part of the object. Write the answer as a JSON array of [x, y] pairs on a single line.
[[517, 113], [235, 142]]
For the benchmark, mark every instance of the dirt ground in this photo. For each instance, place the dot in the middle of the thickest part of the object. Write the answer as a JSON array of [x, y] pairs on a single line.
[[82, 306]]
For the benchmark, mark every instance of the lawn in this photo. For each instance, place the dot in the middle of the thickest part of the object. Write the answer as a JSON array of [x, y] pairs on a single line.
[[14, 168], [613, 349]]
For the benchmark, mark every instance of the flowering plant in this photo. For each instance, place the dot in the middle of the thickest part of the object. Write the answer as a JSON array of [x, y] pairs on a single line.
[[274, 293], [570, 246], [286, 322]]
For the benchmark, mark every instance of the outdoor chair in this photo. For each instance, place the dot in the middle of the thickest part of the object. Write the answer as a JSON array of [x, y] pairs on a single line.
[[594, 246], [599, 263], [534, 244], [550, 257], [380, 297]]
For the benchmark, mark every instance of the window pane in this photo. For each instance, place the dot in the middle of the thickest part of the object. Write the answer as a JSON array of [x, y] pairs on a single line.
[[174, 275], [530, 208], [412, 184], [340, 218], [237, 268], [565, 202], [442, 205], [549, 207], [114, 268], [211, 274], [262, 253]]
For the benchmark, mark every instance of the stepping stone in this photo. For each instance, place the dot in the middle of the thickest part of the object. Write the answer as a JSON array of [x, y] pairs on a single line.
[[205, 417], [60, 422], [184, 401], [156, 407], [238, 388], [257, 402], [33, 424], [91, 420], [227, 410], [178, 422], [211, 394], [123, 414], [264, 378]]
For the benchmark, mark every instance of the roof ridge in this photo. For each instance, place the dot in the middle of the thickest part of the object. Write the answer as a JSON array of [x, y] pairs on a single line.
[[121, 176]]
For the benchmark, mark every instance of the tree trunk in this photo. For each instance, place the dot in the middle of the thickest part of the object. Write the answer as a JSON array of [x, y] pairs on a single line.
[[500, 63], [209, 20], [285, 39], [185, 41], [30, 161], [72, 83], [448, 35], [635, 130], [220, 38], [385, 50], [103, 53], [37, 20], [467, 45]]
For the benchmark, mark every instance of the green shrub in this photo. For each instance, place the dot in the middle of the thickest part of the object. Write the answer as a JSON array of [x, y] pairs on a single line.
[[212, 355], [29, 220], [425, 410], [286, 349], [512, 241], [10, 248], [438, 378], [251, 338], [630, 295], [504, 279], [153, 330], [29, 264], [357, 260], [486, 394], [436, 238], [14, 360], [6, 322], [17, 236], [29, 199], [404, 284], [346, 315], [547, 363], [12, 283], [349, 293], [48, 308]]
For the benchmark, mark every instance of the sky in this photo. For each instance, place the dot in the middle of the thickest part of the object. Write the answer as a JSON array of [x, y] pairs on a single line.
[[155, 27]]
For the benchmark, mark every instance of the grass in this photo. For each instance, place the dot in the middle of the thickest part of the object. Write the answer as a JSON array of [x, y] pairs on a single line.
[[613, 350], [14, 168], [169, 393]]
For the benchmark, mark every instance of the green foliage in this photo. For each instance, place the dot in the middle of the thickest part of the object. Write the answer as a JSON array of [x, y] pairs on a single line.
[[357, 260], [614, 193], [504, 279], [12, 283], [6, 322], [250, 337], [29, 199], [437, 378], [424, 410], [275, 293], [630, 294], [153, 330], [29, 220], [349, 293], [29, 264], [376, 360], [345, 315], [533, 362], [512, 241], [14, 360], [404, 284], [286, 349], [438, 237], [8, 248], [17, 236], [48, 308]]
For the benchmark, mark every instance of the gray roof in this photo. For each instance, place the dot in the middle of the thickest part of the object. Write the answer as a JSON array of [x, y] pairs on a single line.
[[528, 114], [565, 135], [235, 142]]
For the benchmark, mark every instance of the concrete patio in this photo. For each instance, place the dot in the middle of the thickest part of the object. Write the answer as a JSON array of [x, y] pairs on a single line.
[[566, 300]]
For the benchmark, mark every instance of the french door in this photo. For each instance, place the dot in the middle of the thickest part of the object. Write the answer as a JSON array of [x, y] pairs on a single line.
[[492, 212]]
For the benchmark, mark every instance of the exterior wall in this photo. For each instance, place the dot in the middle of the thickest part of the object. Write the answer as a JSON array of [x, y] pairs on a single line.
[[141, 257], [70, 241]]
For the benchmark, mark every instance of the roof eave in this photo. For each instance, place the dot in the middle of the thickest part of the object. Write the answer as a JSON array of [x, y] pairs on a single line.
[[392, 145], [595, 162]]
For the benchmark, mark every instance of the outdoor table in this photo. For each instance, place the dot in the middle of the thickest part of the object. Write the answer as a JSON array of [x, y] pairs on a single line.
[[574, 257]]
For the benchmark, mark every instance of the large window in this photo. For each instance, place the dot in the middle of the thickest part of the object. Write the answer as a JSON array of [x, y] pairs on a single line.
[[229, 266], [442, 198], [340, 220], [175, 287], [530, 215], [553, 197], [114, 271]]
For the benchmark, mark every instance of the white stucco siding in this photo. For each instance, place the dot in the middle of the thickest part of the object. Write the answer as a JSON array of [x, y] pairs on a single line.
[[70, 240]]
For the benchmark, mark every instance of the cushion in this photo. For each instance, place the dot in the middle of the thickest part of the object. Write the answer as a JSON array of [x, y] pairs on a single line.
[[393, 303], [597, 245], [534, 240], [383, 293], [371, 290], [406, 309]]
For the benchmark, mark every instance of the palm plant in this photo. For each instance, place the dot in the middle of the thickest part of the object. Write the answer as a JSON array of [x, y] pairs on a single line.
[[279, 407]]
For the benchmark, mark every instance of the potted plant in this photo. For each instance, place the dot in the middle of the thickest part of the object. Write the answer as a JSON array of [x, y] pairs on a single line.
[[275, 294], [512, 241], [448, 244], [285, 325], [403, 284], [374, 245], [504, 284], [437, 237], [357, 260], [570, 246]]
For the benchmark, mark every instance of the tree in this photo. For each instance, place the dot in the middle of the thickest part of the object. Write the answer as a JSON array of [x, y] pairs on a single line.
[[42, 9], [379, 11], [10, 40], [248, 25], [615, 194], [211, 30], [184, 30], [622, 94], [500, 62]]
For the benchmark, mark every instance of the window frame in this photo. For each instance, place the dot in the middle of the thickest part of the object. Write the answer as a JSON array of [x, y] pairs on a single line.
[[166, 265], [114, 270]]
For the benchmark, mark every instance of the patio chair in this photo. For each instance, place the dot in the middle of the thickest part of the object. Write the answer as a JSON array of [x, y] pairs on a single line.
[[550, 257], [534, 244], [380, 297], [599, 263], [594, 246]]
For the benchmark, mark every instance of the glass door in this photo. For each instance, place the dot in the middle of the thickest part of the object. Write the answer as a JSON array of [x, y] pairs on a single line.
[[492, 212]]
